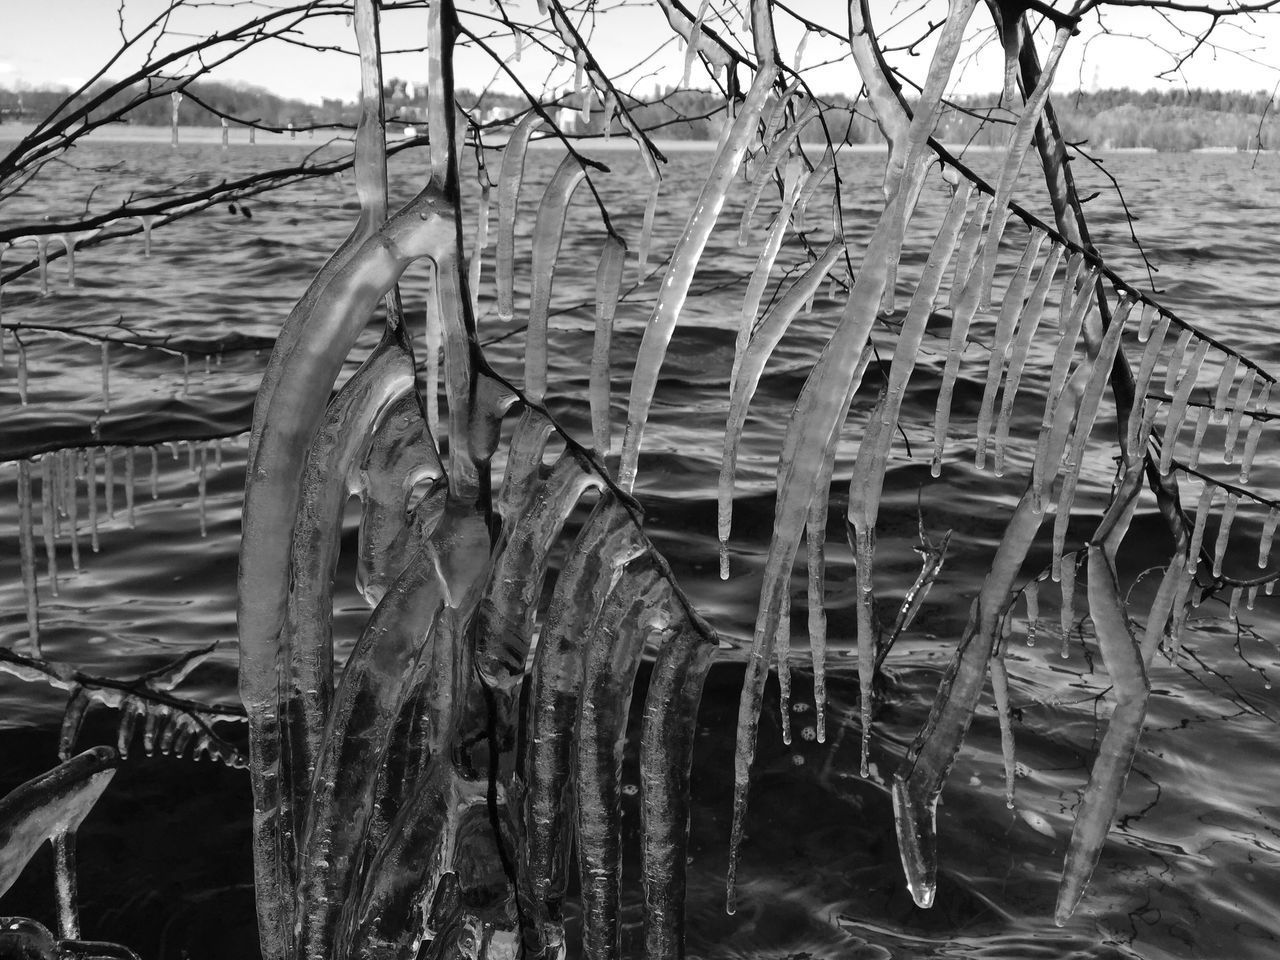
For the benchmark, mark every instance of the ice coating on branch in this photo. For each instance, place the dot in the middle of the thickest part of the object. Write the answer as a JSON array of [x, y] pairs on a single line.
[[52, 803], [770, 331], [1000, 691], [366, 703], [547, 236], [634, 609], [821, 409], [27, 553], [402, 490], [688, 251], [482, 241], [613, 256], [524, 463], [811, 183], [509, 180], [667, 739], [772, 122], [1178, 409], [289, 410], [1124, 662], [1243, 394], [1001, 339], [764, 265], [1019, 141], [765, 171], [1028, 324], [694, 44], [606, 543]]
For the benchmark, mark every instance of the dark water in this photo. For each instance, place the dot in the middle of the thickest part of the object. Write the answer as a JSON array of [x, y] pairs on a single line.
[[1192, 870]]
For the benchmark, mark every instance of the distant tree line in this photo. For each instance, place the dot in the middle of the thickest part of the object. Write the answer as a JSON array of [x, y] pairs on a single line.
[[1166, 120]]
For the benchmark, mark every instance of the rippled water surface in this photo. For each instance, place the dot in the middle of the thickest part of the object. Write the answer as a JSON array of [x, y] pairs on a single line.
[[1191, 870]]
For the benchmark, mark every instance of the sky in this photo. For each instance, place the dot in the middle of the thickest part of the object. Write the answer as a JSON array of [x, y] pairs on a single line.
[[63, 42]]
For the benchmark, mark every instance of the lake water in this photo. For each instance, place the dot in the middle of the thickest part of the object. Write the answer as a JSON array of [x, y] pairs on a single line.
[[1192, 869]]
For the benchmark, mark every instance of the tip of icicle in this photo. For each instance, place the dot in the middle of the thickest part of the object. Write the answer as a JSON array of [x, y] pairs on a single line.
[[724, 560], [935, 468]]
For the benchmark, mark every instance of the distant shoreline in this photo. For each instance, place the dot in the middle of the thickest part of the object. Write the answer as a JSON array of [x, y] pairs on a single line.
[[238, 137]]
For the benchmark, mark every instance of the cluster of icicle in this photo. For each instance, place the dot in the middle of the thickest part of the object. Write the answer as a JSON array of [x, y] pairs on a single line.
[[1084, 350], [77, 489], [70, 240], [378, 786]]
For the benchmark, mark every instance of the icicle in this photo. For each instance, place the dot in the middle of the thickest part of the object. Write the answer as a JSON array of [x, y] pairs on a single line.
[[1251, 595], [509, 181], [1224, 532], [175, 98], [108, 481], [69, 241], [217, 453], [147, 220], [1001, 339], [186, 374], [433, 337], [1268, 534], [73, 509], [1019, 141], [607, 110], [965, 307], [1031, 596], [815, 537], [811, 184], [42, 253], [46, 521], [1202, 423], [1175, 361], [191, 455], [694, 44], [613, 256], [1124, 663], [1028, 323], [1233, 608], [1068, 613], [201, 488], [482, 241], [772, 327], [783, 653], [130, 711], [1178, 408], [772, 160], [798, 59], [1000, 690], [106, 376], [764, 265], [91, 487], [22, 372], [1043, 472], [666, 754], [155, 474], [1141, 383], [1225, 382], [1149, 313], [968, 252], [129, 453], [27, 553], [1237, 413], [1255, 433], [547, 236]]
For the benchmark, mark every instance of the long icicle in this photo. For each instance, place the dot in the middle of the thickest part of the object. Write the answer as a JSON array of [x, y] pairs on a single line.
[[547, 236], [1001, 339], [27, 553], [689, 248], [1028, 324], [613, 256], [509, 181], [822, 406]]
